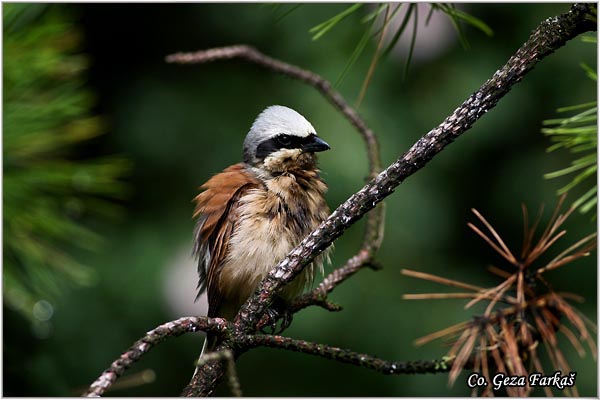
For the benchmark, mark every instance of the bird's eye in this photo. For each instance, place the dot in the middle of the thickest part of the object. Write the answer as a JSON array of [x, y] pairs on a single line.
[[284, 140]]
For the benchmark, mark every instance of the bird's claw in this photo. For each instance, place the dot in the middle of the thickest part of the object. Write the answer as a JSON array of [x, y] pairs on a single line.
[[273, 316]]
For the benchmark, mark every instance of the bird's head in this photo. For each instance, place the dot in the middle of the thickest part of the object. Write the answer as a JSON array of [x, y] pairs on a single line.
[[281, 139]]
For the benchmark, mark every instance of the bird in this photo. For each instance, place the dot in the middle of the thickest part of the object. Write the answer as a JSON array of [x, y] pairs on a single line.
[[252, 214]]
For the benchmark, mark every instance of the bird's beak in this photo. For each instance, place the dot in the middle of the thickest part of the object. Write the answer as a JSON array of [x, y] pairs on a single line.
[[315, 145]]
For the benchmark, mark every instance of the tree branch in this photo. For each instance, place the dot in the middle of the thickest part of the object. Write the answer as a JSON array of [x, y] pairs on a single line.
[[227, 356], [346, 356], [145, 344], [319, 295]]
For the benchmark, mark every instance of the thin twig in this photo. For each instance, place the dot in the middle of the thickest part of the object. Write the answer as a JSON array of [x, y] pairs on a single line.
[[319, 295], [228, 356], [346, 356], [145, 344]]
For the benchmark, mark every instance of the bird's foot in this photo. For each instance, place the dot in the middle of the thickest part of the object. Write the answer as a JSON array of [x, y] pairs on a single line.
[[278, 313]]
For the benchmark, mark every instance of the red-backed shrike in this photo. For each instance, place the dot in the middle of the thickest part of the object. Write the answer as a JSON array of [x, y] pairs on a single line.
[[251, 215]]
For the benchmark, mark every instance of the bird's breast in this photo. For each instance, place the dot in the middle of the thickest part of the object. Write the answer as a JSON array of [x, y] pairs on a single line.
[[272, 220]]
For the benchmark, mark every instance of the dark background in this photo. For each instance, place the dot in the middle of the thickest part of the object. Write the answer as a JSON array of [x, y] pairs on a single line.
[[180, 124]]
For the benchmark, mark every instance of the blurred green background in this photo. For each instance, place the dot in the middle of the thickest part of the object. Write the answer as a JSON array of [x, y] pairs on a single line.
[[173, 126]]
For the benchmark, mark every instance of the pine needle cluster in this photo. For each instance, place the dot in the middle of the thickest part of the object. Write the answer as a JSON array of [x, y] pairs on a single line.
[[50, 185], [524, 313]]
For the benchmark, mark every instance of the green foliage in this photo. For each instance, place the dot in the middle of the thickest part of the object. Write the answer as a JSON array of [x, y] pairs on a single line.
[[322, 28], [579, 134], [456, 16], [48, 188]]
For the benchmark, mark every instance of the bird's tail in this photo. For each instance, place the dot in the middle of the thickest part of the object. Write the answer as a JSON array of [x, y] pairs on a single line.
[[210, 343]]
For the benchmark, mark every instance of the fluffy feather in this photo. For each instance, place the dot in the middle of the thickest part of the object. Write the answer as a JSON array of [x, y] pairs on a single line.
[[247, 226], [251, 215], [216, 210]]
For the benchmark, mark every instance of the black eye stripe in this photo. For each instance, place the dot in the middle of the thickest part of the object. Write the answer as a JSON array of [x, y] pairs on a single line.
[[282, 141], [290, 142]]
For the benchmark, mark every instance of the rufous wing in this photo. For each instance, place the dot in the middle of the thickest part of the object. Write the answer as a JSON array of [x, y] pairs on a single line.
[[216, 213]]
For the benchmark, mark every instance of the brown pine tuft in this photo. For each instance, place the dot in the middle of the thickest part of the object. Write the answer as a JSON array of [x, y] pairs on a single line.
[[523, 311]]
